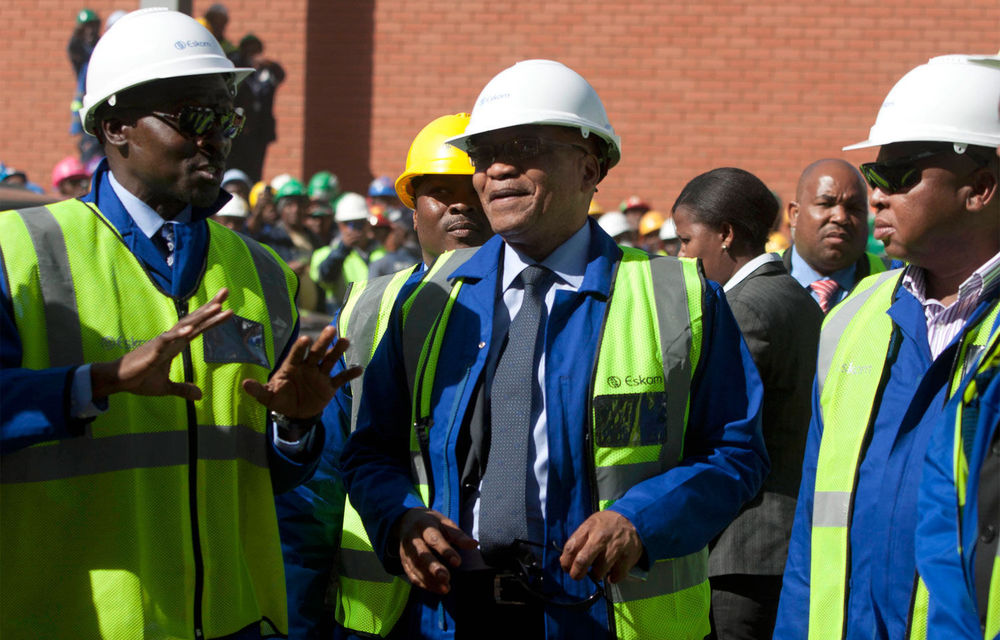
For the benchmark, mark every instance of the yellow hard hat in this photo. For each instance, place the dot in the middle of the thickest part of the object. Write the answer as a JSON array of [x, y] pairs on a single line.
[[651, 221], [430, 155], [595, 208], [255, 192]]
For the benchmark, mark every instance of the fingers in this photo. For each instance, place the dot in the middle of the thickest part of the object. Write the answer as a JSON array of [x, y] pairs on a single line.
[[605, 545], [184, 390], [257, 391], [344, 377], [425, 547]]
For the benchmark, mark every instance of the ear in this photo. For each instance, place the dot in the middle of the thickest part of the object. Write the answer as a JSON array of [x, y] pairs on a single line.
[[115, 132], [726, 234], [982, 190], [792, 212], [591, 173]]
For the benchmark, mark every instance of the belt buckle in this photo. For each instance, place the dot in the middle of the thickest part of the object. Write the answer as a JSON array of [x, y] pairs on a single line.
[[503, 583]]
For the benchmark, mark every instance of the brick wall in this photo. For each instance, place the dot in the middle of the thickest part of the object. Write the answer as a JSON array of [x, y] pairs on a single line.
[[767, 85]]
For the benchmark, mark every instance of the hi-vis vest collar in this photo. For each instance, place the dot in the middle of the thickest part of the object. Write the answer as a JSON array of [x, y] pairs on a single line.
[[637, 432], [159, 520]]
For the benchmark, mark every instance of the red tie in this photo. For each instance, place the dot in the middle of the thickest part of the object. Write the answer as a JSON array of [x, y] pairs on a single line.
[[825, 290]]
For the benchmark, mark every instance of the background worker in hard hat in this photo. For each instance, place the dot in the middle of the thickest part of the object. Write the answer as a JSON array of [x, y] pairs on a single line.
[[403, 237], [829, 224], [437, 185], [616, 225], [237, 183], [956, 540], [505, 451], [893, 353], [382, 196], [137, 477], [723, 217], [292, 240], [634, 207], [352, 252], [70, 178], [649, 232], [668, 236], [233, 214]]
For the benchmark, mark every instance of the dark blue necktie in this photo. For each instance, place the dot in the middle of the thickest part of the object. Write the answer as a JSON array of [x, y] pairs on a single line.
[[502, 501], [165, 242]]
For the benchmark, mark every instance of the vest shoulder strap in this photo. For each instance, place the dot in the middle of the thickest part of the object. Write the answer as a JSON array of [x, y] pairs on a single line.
[[836, 322], [421, 310]]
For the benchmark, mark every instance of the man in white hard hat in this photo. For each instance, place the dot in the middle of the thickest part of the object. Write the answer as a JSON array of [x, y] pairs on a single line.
[[893, 352], [348, 257], [137, 476], [553, 427], [829, 223]]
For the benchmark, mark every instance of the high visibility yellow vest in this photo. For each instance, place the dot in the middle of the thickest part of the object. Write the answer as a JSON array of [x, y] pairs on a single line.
[[655, 317], [852, 368], [158, 521]]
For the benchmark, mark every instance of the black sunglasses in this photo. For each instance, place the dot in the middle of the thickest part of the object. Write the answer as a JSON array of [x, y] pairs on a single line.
[[901, 174], [483, 155], [196, 122]]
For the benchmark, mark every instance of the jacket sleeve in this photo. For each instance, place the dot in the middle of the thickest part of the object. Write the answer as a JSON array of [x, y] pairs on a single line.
[[793, 607], [310, 518], [375, 463], [953, 609], [725, 460], [34, 406], [287, 471]]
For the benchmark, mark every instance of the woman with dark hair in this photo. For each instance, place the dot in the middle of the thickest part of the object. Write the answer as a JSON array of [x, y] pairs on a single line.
[[723, 217]]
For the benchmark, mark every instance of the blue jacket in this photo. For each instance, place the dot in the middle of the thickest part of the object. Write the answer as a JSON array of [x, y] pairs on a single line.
[[675, 513], [950, 576], [882, 566], [35, 405]]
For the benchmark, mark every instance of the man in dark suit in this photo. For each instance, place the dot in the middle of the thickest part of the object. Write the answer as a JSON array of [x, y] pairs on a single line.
[[829, 219]]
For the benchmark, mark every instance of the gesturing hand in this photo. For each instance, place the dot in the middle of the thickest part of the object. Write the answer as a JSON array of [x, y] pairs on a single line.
[[302, 386], [606, 544], [425, 540], [145, 371]]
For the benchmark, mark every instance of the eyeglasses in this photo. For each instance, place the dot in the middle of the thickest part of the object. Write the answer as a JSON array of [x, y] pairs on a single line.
[[197, 122], [483, 155], [901, 174]]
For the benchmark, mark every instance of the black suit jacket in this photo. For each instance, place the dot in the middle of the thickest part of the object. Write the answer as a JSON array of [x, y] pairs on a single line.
[[780, 323]]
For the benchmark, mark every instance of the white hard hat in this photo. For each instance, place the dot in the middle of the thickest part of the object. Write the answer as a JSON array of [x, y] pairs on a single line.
[[281, 180], [614, 223], [351, 206], [541, 92], [668, 231], [151, 44], [949, 99], [237, 207]]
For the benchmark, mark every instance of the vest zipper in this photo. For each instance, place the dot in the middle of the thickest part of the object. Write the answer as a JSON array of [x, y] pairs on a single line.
[[192, 419]]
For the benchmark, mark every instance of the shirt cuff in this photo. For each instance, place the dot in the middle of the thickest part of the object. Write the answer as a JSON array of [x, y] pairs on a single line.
[[81, 400], [292, 447]]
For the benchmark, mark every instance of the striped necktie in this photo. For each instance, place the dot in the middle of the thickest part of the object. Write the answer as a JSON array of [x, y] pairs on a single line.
[[825, 291]]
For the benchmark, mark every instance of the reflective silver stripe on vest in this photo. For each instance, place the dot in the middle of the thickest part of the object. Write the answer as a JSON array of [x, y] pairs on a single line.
[[276, 295], [83, 456], [615, 480], [62, 322], [670, 297], [831, 508], [362, 565], [836, 324], [665, 577], [365, 315], [424, 311]]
